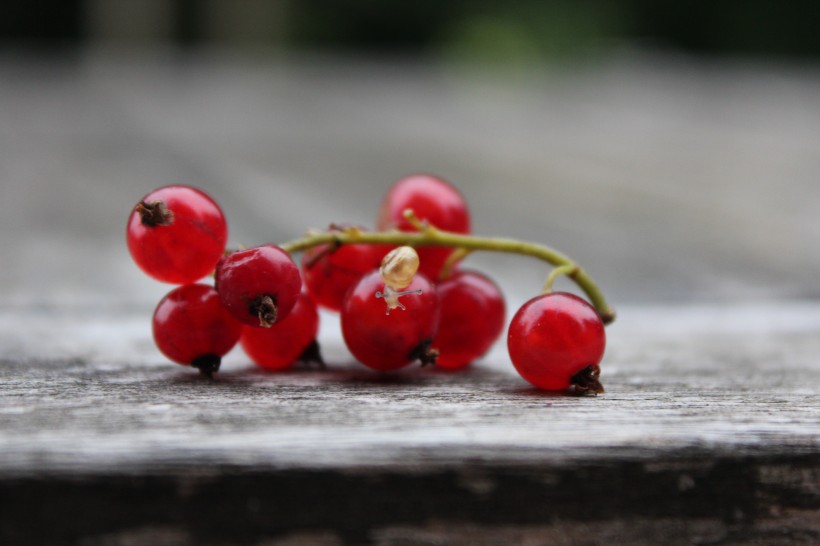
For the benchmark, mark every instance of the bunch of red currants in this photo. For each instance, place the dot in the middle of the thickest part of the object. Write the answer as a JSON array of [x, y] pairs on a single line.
[[400, 291]]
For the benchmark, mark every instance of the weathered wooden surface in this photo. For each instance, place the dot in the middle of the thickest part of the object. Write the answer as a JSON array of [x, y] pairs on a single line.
[[689, 191], [709, 433]]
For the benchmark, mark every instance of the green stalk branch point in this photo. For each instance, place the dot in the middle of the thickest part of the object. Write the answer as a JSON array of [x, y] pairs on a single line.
[[570, 270], [431, 236], [420, 225]]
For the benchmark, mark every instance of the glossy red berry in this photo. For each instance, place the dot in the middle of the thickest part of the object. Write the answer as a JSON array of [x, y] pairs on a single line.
[[556, 340], [472, 318], [389, 341], [329, 273], [259, 285], [176, 234], [191, 327], [432, 199], [281, 345]]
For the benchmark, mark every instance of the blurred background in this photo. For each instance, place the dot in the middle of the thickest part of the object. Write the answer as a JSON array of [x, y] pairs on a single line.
[[671, 147], [511, 31]]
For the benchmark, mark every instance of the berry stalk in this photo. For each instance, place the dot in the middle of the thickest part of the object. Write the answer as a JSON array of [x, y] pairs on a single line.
[[431, 236]]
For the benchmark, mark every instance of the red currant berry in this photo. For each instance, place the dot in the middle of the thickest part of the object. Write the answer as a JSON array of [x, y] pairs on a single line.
[[259, 285], [556, 340], [472, 318], [176, 234], [389, 341], [330, 272], [281, 345], [191, 327], [433, 200]]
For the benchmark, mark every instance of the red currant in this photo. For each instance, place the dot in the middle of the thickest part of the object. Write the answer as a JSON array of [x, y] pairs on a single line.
[[259, 285], [191, 327], [281, 345], [329, 273], [556, 340], [433, 200], [389, 341], [176, 234], [472, 318]]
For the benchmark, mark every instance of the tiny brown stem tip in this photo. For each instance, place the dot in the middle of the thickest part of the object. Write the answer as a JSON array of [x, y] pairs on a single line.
[[154, 214], [207, 364], [264, 307], [312, 356], [608, 316], [424, 353], [586, 381]]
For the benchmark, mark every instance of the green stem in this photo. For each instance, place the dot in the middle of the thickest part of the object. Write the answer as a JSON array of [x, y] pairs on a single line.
[[455, 256], [431, 236]]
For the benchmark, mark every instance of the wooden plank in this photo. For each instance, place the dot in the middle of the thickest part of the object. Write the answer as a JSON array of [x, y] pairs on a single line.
[[681, 501]]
